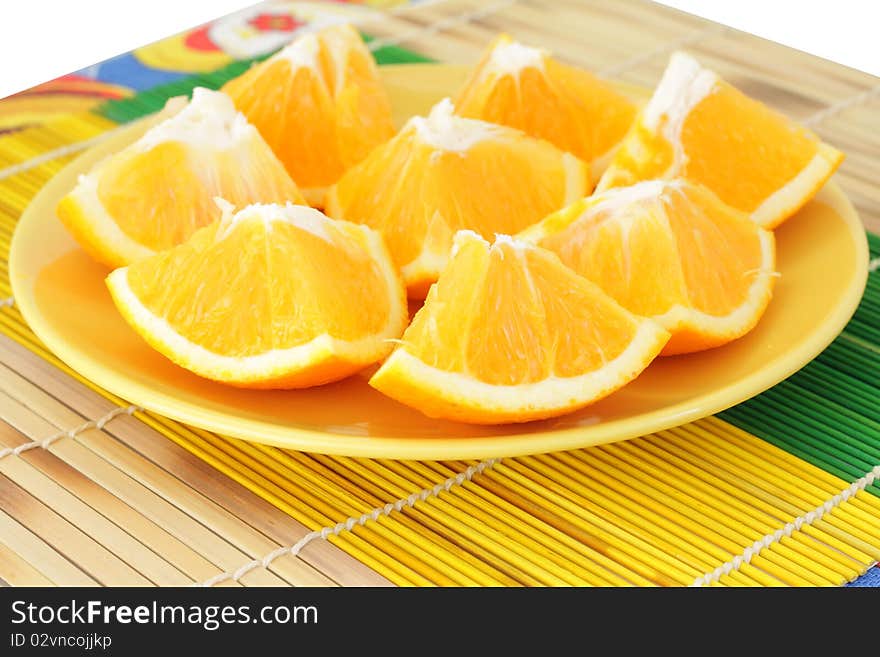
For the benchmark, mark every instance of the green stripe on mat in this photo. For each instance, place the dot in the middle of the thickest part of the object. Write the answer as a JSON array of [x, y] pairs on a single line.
[[152, 100], [828, 413], [397, 55]]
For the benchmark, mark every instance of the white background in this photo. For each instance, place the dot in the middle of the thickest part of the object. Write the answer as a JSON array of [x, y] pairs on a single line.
[[42, 39]]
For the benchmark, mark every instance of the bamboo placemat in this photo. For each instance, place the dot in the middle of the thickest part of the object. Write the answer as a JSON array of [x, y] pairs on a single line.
[[777, 491]]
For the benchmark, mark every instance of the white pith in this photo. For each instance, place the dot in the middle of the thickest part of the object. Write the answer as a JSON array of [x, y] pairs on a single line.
[[509, 241], [301, 216], [683, 85], [442, 130], [301, 53], [511, 58], [617, 198], [209, 120]]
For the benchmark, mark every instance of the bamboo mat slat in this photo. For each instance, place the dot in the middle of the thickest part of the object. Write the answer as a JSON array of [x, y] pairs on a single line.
[[748, 498], [18, 572], [199, 477], [55, 496], [27, 546]]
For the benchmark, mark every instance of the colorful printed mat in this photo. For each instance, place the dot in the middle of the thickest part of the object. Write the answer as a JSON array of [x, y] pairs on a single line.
[[244, 35], [780, 490]]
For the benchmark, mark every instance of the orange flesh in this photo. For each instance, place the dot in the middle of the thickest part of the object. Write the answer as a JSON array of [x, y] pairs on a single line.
[[720, 251], [363, 111], [318, 122], [736, 146], [564, 105], [310, 156], [763, 143], [257, 290], [137, 193], [507, 316], [418, 197], [644, 155], [686, 249], [160, 197]]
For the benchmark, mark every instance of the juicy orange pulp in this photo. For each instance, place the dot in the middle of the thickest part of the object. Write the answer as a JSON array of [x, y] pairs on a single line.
[[506, 315], [198, 293], [699, 127], [445, 173], [527, 89], [671, 251], [160, 197], [320, 105], [766, 146], [268, 280], [157, 191], [509, 334]]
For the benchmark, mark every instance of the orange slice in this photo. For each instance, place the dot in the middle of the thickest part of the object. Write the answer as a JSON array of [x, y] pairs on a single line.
[[158, 191], [699, 127], [320, 105], [509, 334], [444, 173], [671, 251], [527, 89], [270, 297]]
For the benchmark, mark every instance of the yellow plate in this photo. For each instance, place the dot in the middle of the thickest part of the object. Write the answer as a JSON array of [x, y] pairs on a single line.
[[822, 255]]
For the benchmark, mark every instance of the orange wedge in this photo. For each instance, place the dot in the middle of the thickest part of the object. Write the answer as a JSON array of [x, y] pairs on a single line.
[[699, 127], [158, 191], [509, 334], [320, 105], [526, 88], [671, 251], [444, 173], [270, 297]]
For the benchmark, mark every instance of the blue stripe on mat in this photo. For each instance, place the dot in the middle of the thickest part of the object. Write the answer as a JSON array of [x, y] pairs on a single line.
[[870, 578]]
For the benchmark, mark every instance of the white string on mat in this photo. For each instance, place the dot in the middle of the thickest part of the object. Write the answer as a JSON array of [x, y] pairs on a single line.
[[860, 484], [844, 104], [662, 49], [8, 301], [61, 151], [350, 523], [70, 433], [443, 24], [790, 527]]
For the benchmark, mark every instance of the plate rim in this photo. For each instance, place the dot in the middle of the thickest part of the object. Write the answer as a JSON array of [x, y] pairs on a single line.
[[475, 447]]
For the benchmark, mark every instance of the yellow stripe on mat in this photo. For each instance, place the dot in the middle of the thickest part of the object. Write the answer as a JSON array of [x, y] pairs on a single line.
[[665, 509], [32, 144]]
